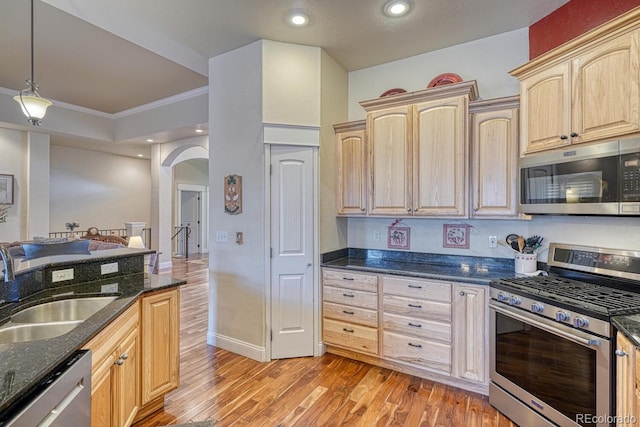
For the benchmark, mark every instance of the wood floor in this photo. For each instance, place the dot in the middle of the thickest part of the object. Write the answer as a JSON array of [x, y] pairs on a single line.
[[330, 390]]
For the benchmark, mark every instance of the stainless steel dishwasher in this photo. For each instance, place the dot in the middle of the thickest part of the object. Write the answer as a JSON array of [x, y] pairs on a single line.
[[63, 397]]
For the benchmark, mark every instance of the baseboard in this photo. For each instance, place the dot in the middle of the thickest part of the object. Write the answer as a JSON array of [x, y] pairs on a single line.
[[242, 348], [165, 265]]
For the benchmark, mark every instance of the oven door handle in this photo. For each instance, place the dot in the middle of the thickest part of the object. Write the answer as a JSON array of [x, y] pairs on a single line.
[[546, 325]]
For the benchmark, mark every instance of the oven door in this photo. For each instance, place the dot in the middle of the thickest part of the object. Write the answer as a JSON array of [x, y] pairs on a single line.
[[541, 370]]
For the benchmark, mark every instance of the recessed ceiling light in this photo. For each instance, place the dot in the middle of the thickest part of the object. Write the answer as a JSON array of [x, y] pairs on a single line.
[[149, 140], [140, 155], [397, 8], [199, 130], [298, 18]]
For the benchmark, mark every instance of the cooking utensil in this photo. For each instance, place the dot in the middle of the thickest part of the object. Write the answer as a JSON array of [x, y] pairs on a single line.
[[508, 246], [521, 243]]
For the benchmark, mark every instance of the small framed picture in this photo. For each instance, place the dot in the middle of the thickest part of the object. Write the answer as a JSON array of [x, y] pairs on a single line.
[[455, 236], [6, 189], [399, 238]]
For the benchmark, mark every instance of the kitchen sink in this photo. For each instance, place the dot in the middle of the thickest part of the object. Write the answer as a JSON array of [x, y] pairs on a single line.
[[20, 332], [63, 310]]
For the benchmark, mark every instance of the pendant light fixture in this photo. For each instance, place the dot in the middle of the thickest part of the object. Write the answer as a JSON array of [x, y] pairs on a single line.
[[33, 106]]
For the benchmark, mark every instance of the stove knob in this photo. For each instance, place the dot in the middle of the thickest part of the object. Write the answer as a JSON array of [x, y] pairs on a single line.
[[580, 322], [536, 307], [503, 297], [515, 300], [562, 316]]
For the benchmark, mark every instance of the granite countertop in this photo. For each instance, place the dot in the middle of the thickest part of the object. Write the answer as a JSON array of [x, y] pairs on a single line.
[[466, 269], [628, 325], [23, 365]]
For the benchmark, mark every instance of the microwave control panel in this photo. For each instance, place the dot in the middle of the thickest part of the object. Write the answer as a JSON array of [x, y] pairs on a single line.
[[630, 177]]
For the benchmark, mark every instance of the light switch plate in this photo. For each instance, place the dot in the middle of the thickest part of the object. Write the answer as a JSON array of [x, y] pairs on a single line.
[[109, 268], [222, 236], [62, 275]]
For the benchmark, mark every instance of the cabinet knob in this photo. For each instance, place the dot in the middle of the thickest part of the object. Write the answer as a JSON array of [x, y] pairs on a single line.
[[362, 209], [564, 137], [573, 134], [461, 293], [408, 209], [119, 362], [621, 353], [125, 356]]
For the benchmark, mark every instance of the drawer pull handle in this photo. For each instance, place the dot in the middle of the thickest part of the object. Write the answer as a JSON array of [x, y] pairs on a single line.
[[415, 306], [347, 278], [415, 345], [347, 312], [415, 325], [348, 295], [348, 330], [415, 286]]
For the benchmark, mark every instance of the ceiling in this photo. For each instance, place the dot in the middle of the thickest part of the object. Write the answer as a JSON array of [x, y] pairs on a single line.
[[115, 55]]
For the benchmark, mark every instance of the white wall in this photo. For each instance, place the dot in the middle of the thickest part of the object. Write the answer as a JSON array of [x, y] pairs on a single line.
[[11, 147], [98, 189], [487, 61], [194, 171]]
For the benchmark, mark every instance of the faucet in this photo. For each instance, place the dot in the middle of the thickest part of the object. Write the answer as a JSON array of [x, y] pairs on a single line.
[[7, 263]]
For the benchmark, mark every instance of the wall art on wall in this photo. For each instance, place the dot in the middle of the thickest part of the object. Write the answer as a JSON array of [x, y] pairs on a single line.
[[398, 237], [455, 236], [233, 194], [6, 189]]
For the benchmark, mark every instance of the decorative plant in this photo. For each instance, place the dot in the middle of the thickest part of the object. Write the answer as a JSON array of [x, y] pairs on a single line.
[[72, 225], [4, 210]]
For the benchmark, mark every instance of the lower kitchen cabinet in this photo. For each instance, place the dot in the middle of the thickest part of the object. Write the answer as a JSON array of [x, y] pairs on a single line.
[[627, 381], [160, 342], [428, 328], [115, 376], [135, 360]]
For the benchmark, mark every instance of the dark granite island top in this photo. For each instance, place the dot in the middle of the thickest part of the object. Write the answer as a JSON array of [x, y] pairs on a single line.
[[628, 325], [456, 268], [24, 364]]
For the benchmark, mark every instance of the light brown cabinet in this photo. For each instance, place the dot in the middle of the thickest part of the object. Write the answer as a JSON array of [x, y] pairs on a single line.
[[586, 90], [429, 328], [351, 163], [115, 374], [627, 381], [470, 330], [418, 152], [350, 310], [494, 155], [160, 343]]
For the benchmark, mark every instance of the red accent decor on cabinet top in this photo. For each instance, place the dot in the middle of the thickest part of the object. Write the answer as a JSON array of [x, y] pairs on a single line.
[[571, 20]]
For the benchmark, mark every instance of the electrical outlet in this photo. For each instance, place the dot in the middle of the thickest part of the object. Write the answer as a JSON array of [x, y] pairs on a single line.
[[376, 236], [222, 236], [493, 241], [109, 268], [62, 275]]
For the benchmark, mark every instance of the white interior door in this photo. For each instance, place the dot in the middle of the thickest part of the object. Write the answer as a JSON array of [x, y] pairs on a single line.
[[190, 217], [292, 240]]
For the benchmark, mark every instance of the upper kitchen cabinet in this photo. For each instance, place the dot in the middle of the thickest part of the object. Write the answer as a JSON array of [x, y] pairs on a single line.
[[494, 155], [418, 151], [351, 161], [585, 90]]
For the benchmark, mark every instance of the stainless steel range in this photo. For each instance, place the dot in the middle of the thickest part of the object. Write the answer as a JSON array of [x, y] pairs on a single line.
[[551, 353]]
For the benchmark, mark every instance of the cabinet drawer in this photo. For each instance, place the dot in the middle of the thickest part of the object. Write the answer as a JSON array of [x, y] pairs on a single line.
[[408, 307], [345, 279], [348, 335], [351, 314], [417, 327], [417, 288], [350, 297], [417, 351]]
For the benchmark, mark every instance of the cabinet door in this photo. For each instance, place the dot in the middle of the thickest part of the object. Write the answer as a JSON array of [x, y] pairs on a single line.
[[440, 157], [102, 394], [389, 133], [545, 110], [494, 163], [470, 331], [351, 168], [625, 378], [127, 374], [606, 90], [160, 344]]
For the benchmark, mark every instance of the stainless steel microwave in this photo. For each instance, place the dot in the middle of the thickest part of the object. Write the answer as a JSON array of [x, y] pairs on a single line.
[[598, 179]]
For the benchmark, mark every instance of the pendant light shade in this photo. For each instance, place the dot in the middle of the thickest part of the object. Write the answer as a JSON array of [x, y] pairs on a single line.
[[33, 106]]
